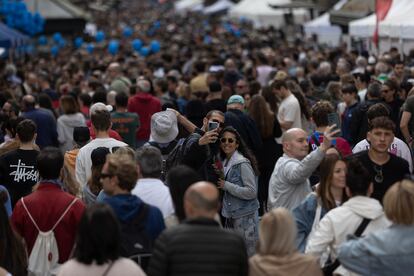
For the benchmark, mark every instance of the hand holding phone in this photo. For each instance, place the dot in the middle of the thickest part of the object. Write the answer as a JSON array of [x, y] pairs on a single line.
[[333, 119]]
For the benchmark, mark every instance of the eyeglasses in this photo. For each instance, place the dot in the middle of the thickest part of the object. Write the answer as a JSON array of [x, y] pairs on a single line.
[[227, 140], [385, 91], [220, 123], [105, 175], [241, 86]]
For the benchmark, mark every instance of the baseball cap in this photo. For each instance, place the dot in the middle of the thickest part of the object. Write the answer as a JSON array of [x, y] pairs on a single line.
[[235, 99], [99, 106]]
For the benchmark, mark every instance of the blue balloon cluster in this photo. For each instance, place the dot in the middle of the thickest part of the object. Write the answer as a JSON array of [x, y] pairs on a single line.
[[78, 42], [155, 46], [100, 36], [127, 32], [137, 44], [90, 48], [17, 16], [113, 47]]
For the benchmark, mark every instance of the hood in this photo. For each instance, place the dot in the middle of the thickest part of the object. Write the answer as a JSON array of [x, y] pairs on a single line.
[[238, 158], [124, 206], [365, 207], [290, 265], [72, 120]]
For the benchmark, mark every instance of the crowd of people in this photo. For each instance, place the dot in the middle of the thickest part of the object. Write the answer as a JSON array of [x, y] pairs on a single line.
[[230, 151]]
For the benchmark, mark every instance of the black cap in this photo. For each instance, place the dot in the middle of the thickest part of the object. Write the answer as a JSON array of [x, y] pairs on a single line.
[[81, 135], [98, 156]]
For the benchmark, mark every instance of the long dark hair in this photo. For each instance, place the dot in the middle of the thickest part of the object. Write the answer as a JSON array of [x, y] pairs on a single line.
[[243, 149], [260, 112], [324, 192], [179, 179], [12, 252], [99, 235]]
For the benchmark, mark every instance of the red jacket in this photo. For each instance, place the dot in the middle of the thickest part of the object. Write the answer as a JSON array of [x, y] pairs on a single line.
[[144, 105], [112, 133], [46, 205]]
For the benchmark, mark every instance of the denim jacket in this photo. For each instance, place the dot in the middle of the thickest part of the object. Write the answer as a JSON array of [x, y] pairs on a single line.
[[384, 252], [304, 216], [240, 189]]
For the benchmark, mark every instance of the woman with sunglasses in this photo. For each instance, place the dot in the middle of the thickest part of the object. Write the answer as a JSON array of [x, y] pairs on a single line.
[[240, 204]]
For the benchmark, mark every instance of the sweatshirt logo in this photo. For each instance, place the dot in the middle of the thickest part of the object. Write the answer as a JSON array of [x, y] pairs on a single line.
[[23, 172]]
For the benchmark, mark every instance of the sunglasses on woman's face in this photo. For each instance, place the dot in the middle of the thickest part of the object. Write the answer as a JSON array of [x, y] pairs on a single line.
[[227, 140]]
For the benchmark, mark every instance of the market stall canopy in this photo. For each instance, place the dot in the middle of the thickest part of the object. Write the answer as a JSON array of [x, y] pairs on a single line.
[[262, 15], [60, 15], [319, 5], [219, 6], [10, 38], [188, 5], [326, 32], [352, 10], [399, 15]]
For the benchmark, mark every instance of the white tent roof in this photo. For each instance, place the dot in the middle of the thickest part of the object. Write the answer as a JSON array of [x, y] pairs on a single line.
[[219, 6], [399, 11], [401, 23], [183, 5], [262, 14], [322, 27]]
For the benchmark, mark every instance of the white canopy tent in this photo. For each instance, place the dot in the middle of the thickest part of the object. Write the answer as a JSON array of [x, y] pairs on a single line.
[[186, 5], [263, 15], [322, 27], [219, 6], [397, 29]]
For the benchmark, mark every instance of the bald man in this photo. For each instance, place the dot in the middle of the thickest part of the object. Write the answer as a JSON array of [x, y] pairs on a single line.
[[199, 246], [44, 120], [289, 183]]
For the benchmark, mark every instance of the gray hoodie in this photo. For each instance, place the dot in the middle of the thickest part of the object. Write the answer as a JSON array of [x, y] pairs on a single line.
[[65, 125]]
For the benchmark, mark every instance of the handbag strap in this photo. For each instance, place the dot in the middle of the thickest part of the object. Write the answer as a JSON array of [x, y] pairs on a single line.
[[108, 268], [357, 233]]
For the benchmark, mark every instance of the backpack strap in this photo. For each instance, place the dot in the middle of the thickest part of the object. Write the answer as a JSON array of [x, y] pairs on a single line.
[[30, 216], [64, 213]]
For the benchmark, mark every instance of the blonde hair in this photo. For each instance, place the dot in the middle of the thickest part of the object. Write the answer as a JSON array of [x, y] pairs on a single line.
[[277, 233], [399, 202], [128, 151]]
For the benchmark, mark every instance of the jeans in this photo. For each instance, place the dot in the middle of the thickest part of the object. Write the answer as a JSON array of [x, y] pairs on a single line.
[[248, 228]]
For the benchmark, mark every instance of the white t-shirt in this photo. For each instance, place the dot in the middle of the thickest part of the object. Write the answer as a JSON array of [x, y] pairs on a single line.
[[289, 111], [398, 148], [83, 159], [152, 191]]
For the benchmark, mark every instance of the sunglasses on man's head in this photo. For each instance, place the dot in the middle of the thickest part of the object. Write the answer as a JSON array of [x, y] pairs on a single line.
[[227, 140]]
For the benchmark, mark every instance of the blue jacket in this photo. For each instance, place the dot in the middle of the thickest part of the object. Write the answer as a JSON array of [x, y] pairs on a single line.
[[7, 203], [304, 216], [385, 252], [46, 127], [126, 206], [240, 189]]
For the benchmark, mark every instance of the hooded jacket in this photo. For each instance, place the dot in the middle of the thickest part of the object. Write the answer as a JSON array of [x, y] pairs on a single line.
[[144, 105], [65, 125], [342, 221], [295, 264], [240, 188], [126, 206]]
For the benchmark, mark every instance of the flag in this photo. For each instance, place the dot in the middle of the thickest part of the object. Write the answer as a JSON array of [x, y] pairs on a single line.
[[381, 10]]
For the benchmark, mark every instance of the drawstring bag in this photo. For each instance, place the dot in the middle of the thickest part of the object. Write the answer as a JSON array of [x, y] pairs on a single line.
[[43, 260]]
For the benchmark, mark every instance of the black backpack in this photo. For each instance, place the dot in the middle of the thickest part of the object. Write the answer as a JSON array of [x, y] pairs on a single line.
[[135, 242], [171, 155]]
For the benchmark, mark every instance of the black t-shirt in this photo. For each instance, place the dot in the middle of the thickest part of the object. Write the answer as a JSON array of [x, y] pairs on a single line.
[[392, 171], [216, 104], [18, 172]]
